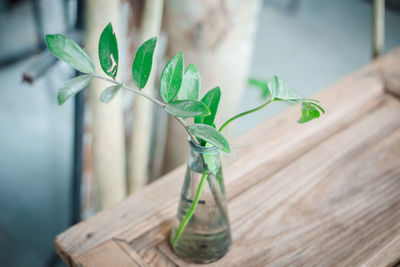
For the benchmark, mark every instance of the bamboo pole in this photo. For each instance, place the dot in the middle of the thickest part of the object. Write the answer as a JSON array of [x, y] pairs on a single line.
[[107, 119], [378, 27], [141, 132]]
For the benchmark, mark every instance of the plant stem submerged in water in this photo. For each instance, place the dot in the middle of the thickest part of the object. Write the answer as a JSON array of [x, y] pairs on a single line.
[[190, 212]]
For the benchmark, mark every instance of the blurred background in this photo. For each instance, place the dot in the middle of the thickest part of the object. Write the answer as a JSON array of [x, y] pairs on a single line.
[[59, 165]]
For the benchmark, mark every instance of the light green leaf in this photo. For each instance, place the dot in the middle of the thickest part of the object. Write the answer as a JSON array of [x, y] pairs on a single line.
[[310, 111], [212, 161], [262, 85], [317, 106], [210, 135], [190, 88], [281, 91], [211, 100], [108, 51], [141, 67], [72, 87], [70, 52], [171, 78], [187, 108], [109, 93]]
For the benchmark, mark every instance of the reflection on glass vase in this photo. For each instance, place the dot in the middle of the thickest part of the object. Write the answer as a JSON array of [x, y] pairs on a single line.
[[201, 231]]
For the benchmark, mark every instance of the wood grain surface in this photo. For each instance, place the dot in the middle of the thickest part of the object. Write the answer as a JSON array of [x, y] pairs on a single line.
[[322, 194]]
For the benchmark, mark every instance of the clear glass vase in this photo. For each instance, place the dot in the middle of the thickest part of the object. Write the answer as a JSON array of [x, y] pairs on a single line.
[[201, 232]]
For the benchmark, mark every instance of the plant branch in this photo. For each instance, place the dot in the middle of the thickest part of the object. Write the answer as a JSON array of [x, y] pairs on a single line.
[[243, 114], [149, 97]]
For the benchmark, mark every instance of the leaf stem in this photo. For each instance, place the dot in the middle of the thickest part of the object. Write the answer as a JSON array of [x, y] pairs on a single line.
[[185, 125], [149, 97], [190, 212], [244, 113], [132, 89]]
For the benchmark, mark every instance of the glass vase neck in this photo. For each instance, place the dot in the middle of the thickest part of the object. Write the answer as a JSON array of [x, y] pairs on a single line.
[[209, 150]]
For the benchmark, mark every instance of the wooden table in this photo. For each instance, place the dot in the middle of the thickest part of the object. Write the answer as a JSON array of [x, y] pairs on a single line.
[[325, 193]]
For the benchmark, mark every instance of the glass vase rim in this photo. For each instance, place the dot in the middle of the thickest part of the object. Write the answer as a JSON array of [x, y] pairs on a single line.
[[212, 150]]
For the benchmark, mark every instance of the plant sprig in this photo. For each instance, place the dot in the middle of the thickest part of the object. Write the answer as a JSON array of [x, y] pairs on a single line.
[[179, 92]]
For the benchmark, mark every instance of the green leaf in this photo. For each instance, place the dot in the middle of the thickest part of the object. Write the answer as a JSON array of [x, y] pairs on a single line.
[[187, 108], [210, 135], [70, 52], [212, 161], [109, 93], [171, 78], [262, 85], [281, 91], [310, 111], [317, 106], [143, 61], [190, 88], [72, 87], [211, 100], [108, 51]]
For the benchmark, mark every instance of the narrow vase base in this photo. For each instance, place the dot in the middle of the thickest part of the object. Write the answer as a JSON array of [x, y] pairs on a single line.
[[203, 249]]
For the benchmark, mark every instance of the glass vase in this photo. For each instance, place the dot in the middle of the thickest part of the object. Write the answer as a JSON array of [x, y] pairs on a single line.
[[201, 231]]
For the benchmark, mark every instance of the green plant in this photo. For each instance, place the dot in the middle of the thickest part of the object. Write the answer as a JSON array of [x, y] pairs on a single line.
[[179, 91]]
